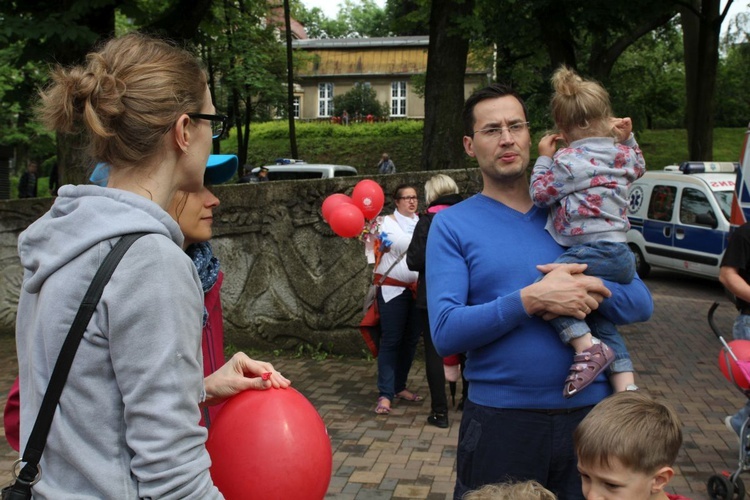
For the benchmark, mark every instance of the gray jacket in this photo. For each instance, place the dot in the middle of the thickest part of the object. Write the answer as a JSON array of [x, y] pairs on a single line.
[[127, 422]]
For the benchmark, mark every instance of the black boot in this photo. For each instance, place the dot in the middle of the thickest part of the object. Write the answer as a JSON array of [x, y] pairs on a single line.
[[438, 420]]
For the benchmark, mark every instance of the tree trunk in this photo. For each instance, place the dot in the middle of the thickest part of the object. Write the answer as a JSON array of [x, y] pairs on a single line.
[[701, 28], [290, 81], [442, 146]]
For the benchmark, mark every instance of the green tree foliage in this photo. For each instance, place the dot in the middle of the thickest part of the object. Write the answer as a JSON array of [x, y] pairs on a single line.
[[733, 106], [247, 63], [360, 99], [355, 19], [648, 80]]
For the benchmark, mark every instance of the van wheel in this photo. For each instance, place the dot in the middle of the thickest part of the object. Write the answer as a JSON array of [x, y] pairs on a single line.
[[641, 267]]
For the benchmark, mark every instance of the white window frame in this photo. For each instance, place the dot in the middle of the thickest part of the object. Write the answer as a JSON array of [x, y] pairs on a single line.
[[297, 106], [325, 99], [398, 98]]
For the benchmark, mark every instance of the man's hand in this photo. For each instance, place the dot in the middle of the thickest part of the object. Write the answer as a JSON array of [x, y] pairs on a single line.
[[564, 291], [548, 144], [239, 374]]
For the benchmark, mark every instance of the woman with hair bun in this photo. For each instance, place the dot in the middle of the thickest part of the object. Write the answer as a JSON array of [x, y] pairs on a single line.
[[127, 421]]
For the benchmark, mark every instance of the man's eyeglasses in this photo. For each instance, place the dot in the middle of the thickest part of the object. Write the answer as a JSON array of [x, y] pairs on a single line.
[[218, 123], [514, 129], [408, 198]]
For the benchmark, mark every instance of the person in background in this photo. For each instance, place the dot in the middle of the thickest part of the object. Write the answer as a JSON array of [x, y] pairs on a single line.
[[54, 179], [138, 370], [734, 274], [441, 192], [483, 296], [261, 176], [28, 181], [247, 174], [626, 448], [399, 320], [386, 165]]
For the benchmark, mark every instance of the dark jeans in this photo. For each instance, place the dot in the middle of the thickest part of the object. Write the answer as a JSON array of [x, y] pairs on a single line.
[[400, 327], [610, 261], [496, 445], [434, 370]]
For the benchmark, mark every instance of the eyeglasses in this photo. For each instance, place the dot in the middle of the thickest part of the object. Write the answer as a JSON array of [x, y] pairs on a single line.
[[218, 123], [408, 198], [514, 129]]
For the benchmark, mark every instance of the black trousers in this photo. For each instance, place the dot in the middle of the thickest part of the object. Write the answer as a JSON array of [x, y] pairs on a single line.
[[434, 370]]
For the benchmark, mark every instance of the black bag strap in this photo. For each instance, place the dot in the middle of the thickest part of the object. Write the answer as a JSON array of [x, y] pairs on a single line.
[[32, 454]]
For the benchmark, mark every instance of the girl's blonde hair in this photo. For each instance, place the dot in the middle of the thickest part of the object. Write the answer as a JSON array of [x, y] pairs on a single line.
[[437, 186], [580, 108], [125, 98]]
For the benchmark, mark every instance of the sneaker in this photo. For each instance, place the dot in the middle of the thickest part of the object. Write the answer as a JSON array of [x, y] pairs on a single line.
[[729, 423], [438, 420]]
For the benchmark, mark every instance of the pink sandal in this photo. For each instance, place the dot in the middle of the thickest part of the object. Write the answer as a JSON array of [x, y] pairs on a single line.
[[586, 367], [407, 395], [381, 409]]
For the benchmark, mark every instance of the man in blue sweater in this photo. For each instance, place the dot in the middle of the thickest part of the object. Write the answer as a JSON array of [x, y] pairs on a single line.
[[483, 257]]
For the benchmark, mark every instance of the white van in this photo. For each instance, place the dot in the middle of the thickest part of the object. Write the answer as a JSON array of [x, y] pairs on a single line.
[[290, 170], [679, 217]]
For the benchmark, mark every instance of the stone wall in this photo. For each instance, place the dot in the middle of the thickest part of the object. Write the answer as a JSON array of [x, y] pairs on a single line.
[[288, 278]]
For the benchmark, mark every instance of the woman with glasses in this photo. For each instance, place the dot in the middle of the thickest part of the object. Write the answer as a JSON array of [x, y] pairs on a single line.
[[127, 425], [399, 318]]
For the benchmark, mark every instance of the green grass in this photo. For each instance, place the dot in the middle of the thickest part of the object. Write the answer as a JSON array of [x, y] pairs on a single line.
[[669, 147]]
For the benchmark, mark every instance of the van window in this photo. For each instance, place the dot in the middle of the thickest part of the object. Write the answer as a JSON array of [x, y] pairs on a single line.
[[661, 205], [695, 208], [293, 176], [343, 173]]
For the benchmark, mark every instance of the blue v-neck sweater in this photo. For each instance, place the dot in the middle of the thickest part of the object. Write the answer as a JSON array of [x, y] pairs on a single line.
[[480, 254]]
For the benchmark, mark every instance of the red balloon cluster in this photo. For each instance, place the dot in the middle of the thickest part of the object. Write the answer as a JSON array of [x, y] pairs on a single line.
[[346, 215], [272, 445]]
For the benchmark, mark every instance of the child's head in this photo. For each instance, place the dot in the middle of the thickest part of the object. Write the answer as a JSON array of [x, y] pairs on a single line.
[[626, 447], [527, 490], [579, 107]]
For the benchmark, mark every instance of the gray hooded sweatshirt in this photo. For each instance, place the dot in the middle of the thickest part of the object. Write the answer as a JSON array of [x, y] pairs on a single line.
[[127, 422]]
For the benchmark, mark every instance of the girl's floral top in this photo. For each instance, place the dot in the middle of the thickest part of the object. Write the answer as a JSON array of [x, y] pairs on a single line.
[[585, 185]]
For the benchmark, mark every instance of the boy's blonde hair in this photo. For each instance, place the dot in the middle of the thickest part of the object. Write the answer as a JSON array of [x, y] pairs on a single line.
[[437, 186], [642, 434], [580, 108], [526, 490]]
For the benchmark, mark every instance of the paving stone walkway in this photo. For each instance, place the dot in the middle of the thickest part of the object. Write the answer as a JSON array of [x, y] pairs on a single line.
[[401, 457]]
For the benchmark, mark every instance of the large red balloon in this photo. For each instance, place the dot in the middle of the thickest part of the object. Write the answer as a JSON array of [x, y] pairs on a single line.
[[270, 445], [347, 221], [369, 197], [333, 201], [741, 349]]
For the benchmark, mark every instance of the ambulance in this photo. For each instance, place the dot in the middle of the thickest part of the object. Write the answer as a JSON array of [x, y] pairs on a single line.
[[681, 217]]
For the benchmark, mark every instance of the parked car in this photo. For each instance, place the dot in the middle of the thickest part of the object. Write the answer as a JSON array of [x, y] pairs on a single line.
[[679, 217], [289, 169]]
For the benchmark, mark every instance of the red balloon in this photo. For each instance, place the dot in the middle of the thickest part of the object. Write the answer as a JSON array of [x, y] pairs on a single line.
[[272, 445], [729, 367], [333, 201], [347, 221], [369, 197]]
